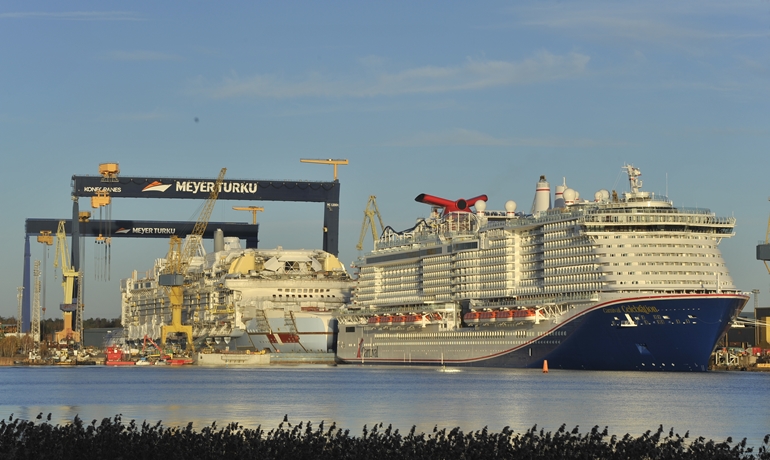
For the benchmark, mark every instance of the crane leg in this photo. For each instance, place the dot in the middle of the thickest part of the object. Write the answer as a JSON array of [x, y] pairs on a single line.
[[176, 296]]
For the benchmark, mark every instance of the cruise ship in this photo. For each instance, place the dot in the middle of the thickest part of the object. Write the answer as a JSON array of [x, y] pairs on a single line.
[[263, 300], [620, 282]]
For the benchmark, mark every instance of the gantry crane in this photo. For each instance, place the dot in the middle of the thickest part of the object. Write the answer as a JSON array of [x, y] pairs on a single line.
[[369, 213], [177, 263], [69, 275]]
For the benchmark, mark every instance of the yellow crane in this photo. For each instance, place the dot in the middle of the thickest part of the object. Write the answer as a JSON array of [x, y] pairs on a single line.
[[177, 263], [326, 162], [369, 213], [253, 209], [68, 284]]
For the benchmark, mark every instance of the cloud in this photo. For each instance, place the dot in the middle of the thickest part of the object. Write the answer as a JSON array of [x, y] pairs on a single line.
[[75, 15], [459, 136], [471, 75], [655, 23], [139, 56]]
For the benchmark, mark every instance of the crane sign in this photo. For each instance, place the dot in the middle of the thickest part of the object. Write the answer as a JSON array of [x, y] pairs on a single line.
[[177, 263]]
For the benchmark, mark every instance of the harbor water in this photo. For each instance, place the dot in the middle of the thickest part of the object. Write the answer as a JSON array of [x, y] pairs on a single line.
[[715, 405]]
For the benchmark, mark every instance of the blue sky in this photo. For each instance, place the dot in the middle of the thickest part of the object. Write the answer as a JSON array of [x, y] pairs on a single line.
[[447, 98]]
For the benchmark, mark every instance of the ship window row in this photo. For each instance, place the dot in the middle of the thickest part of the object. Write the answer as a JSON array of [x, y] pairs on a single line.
[[578, 287], [659, 254], [303, 290], [569, 261], [573, 268], [566, 243], [293, 296], [691, 284], [657, 236], [687, 246], [669, 273], [573, 278], [491, 277], [499, 268], [438, 335], [682, 264], [462, 342]]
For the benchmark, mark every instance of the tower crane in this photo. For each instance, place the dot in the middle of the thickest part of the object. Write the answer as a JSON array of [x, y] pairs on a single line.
[[69, 275], [178, 262], [326, 162], [253, 209], [369, 213]]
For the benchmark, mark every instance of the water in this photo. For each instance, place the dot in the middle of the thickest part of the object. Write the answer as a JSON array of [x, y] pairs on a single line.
[[714, 405]]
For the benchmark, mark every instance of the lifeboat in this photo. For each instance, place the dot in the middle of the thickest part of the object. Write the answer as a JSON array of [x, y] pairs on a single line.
[[505, 315], [399, 320], [529, 315], [488, 317], [472, 317], [375, 320], [386, 320], [411, 319]]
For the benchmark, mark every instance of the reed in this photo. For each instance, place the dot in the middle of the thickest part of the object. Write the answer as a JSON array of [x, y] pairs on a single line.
[[113, 439]]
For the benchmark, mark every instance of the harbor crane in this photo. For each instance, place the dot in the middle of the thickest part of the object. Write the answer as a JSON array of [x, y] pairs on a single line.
[[369, 212], [178, 262]]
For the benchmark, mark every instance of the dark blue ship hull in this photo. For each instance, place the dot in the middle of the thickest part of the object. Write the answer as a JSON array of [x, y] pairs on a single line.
[[645, 333], [679, 336]]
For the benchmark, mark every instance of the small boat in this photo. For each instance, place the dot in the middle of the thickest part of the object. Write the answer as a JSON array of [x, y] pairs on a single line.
[[117, 357]]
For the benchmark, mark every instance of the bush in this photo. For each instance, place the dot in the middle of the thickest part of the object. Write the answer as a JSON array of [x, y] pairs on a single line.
[[113, 439]]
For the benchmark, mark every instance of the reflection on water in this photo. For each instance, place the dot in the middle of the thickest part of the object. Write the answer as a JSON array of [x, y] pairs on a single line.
[[714, 405]]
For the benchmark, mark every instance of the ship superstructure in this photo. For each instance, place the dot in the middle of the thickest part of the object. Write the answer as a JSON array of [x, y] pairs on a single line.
[[617, 282], [276, 300]]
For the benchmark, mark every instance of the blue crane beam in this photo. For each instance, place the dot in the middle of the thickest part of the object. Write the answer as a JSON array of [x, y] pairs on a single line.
[[231, 189]]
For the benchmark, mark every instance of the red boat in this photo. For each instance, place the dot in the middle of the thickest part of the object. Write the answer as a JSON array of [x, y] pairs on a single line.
[[116, 357]]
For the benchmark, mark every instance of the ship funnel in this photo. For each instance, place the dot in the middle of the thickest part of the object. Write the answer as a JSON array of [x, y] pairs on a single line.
[[542, 200], [219, 240], [461, 205], [558, 201]]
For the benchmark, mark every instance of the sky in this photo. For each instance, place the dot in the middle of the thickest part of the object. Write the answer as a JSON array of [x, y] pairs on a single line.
[[453, 99]]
